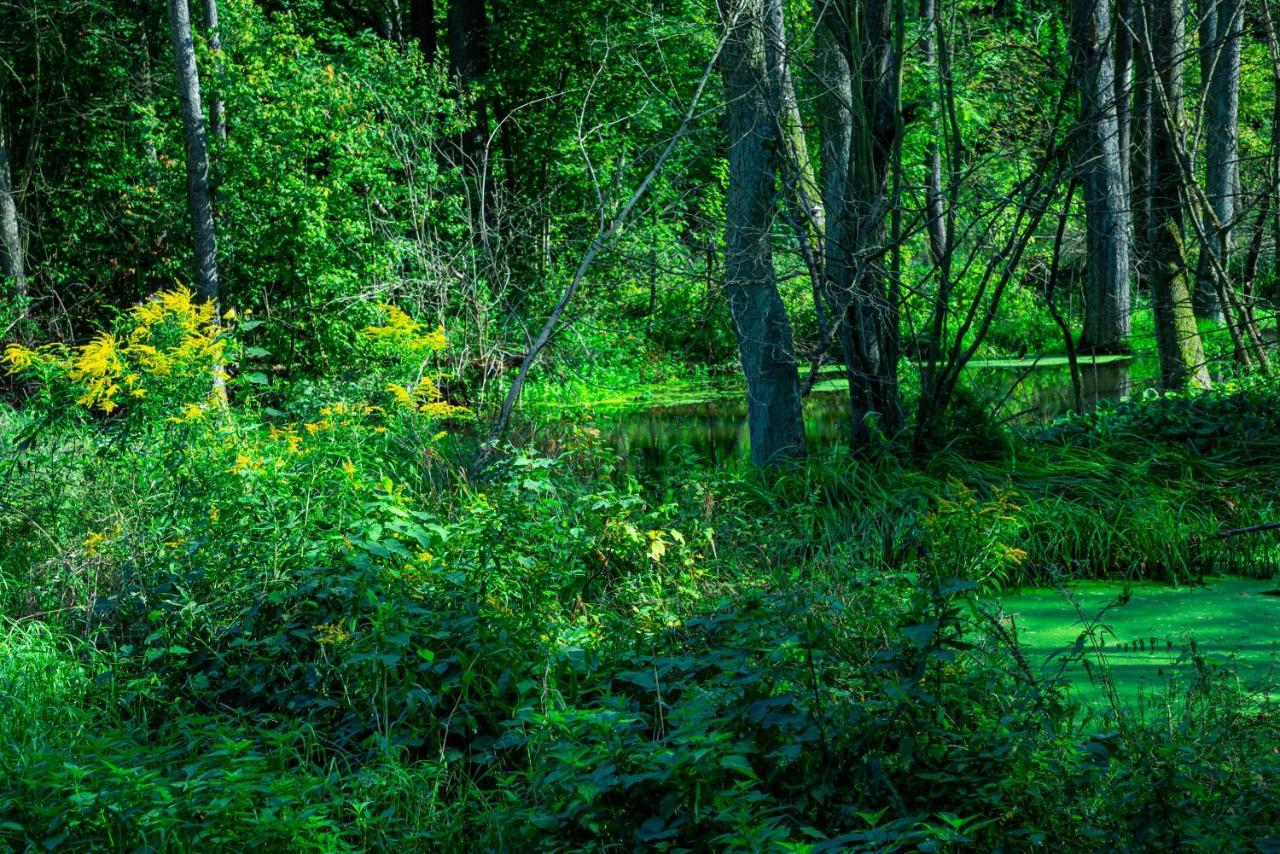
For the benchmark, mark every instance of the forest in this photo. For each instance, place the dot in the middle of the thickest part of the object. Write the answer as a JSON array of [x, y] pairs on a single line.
[[623, 425]]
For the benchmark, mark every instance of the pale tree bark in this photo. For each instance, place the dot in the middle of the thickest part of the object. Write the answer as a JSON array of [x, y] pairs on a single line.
[[934, 212], [1181, 351], [197, 152], [10, 234], [1222, 23], [1106, 327], [760, 319], [217, 110]]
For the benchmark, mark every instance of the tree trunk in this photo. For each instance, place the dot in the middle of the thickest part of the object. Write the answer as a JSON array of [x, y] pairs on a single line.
[[217, 111], [835, 126], [1140, 146], [197, 150], [858, 72], [1124, 87], [422, 24], [935, 215], [759, 316], [10, 235], [1221, 29], [800, 186], [1181, 353], [1106, 327], [468, 63]]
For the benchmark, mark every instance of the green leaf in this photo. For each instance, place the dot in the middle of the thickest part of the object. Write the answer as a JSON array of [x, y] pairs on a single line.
[[920, 634]]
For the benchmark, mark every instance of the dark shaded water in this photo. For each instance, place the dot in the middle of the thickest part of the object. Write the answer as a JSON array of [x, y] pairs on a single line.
[[714, 431]]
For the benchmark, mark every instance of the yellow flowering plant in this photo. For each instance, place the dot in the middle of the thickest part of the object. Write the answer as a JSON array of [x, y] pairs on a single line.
[[973, 535], [411, 348], [167, 355]]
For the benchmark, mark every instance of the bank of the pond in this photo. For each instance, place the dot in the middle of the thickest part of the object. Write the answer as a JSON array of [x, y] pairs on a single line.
[[706, 417], [1151, 640]]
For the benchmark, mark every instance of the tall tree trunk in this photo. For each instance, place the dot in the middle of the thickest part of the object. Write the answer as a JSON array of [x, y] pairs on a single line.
[[1124, 87], [1221, 29], [1106, 327], [1140, 146], [422, 24], [800, 186], [197, 151], [10, 235], [935, 216], [1181, 352], [835, 127], [759, 316], [217, 110], [858, 74], [468, 63]]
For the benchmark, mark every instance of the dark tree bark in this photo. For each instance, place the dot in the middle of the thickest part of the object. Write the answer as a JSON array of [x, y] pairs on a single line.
[[422, 25], [10, 234], [1181, 352], [1140, 146], [468, 63], [1106, 327], [859, 120], [1222, 22], [759, 316], [197, 152], [1124, 46]]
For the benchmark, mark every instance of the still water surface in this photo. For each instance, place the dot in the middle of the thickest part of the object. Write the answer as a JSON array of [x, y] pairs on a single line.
[[714, 429]]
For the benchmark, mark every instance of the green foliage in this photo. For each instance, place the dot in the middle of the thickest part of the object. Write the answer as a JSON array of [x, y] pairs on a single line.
[[313, 633]]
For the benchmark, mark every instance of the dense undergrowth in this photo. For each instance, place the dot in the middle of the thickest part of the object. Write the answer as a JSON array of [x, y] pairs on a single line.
[[286, 618]]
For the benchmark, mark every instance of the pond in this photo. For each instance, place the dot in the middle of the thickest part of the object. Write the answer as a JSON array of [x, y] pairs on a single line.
[[1233, 622], [710, 423]]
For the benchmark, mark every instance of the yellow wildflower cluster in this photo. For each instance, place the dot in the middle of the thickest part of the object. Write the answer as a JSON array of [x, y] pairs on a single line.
[[327, 634], [93, 542], [426, 398], [172, 335], [402, 331]]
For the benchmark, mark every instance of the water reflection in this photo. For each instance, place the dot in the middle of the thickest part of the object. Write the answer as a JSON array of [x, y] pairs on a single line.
[[714, 431]]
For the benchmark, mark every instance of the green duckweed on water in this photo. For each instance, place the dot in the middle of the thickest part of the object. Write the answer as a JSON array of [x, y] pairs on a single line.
[[1149, 642]]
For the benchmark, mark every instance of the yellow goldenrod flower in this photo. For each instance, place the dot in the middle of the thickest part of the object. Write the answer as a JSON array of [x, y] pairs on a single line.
[[93, 541], [331, 634]]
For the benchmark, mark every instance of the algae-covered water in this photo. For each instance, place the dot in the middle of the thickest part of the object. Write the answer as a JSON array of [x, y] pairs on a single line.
[[1234, 624]]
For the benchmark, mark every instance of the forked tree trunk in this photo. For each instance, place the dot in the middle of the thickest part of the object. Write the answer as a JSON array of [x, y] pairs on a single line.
[[858, 102], [759, 316]]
